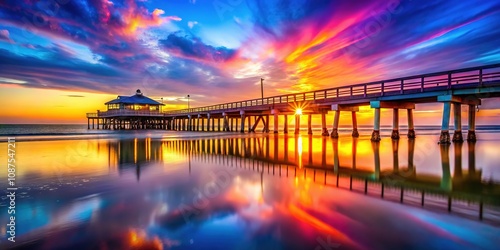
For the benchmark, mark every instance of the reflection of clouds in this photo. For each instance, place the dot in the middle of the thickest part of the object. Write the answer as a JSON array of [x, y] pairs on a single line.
[[81, 210], [138, 239]]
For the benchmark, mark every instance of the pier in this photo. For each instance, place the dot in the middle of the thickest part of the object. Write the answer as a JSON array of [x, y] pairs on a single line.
[[453, 88], [129, 112]]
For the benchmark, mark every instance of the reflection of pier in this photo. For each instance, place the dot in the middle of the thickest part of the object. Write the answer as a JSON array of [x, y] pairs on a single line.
[[128, 153], [285, 156]]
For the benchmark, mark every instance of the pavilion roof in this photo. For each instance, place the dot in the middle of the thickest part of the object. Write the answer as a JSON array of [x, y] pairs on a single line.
[[138, 98]]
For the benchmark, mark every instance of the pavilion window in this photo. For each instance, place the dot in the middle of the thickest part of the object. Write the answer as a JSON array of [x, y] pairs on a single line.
[[113, 106]]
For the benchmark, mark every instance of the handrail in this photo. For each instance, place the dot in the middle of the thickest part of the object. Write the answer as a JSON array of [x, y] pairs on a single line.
[[375, 88], [125, 112]]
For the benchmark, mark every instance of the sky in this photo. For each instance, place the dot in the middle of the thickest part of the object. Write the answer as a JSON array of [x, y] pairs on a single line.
[[62, 58]]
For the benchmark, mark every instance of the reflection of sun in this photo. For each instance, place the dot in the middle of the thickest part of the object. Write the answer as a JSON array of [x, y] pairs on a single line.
[[169, 154], [302, 187]]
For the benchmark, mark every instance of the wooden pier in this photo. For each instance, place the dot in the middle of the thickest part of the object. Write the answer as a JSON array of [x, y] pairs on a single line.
[[451, 88]]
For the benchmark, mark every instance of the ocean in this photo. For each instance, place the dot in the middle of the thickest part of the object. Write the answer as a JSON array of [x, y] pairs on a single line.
[[61, 131], [154, 189]]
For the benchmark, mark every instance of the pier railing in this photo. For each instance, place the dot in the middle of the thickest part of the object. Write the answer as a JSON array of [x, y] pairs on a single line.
[[92, 115], [453, 79], [124, 112]]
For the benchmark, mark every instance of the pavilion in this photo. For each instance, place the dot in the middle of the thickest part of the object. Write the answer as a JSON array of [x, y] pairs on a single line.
[[129, 112]]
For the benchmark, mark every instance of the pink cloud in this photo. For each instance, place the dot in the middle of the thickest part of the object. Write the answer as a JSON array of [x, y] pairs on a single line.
[[5, 36]]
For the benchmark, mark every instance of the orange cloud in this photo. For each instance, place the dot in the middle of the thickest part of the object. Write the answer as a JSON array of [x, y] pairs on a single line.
[[136, 18]]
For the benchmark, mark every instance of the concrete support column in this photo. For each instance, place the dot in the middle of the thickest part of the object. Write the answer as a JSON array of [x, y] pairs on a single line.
[[276, 124], [249, 122], [88, 123], [297, 124], [218, 124], [232, 125], [324, 130], [207, 127], [395, 124], [444, 138], [213, 123], [471, 135], [202, 124], [411, 126], [242, 124], [335, 132], [309, 125], [376, 126], [355, 132], [285, 126], [457, 118], [226, 122], [197, 128]]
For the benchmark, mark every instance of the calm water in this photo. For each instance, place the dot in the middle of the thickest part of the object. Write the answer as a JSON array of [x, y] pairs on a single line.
[[162, 190], [77, 131]]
